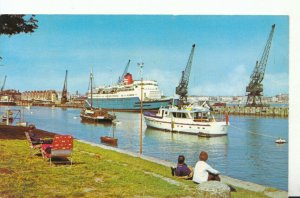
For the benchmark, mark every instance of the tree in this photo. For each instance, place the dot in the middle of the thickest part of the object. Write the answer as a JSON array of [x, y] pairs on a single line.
[[16, 24]]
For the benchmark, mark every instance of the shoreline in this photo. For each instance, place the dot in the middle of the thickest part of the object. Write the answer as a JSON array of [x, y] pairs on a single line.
[[272, 111], [17, 132], [226, 179]]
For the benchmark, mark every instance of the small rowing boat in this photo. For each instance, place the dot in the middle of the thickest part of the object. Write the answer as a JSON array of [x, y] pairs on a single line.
[[109, 140], [280, 141]]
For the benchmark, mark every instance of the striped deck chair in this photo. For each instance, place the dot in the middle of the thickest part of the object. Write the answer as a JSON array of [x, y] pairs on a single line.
[[61, 147], [35, 148]]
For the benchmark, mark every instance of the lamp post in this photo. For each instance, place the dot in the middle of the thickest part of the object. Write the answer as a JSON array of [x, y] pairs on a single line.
[[141, 65]]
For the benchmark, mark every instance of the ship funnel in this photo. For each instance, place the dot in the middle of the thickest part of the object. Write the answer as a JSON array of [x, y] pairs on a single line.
[[128, 79]]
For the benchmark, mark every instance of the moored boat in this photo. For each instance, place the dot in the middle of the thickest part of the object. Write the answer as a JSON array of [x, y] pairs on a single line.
[[280, 141], [196, 121], [95, 115], [7, 103], [109, 140], [7, 115]]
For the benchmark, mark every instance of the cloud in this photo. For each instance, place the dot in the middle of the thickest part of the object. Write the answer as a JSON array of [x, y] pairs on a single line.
[[233, 83], [167, 80], [276, 83]]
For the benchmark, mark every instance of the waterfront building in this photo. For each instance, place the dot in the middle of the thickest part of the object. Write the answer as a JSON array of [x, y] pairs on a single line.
[[282, 98], [240, 100], [10, 95], [43, 96]]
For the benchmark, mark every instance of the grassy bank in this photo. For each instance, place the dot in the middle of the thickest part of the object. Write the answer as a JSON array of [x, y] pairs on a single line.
[[95, 173]]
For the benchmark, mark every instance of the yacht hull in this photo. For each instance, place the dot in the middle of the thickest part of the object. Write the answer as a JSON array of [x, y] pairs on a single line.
[[207, 127]]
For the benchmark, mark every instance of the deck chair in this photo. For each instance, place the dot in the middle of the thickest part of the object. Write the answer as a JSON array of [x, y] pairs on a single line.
[[61, 147], [35, 148]]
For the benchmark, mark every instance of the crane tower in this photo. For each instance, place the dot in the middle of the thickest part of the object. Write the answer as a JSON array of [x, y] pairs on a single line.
[[3, 85], [182, 88], [255, 87], [64, 93]]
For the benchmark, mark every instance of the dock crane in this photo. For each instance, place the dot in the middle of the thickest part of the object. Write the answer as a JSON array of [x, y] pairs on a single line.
[[2, 88], [255, 87], [182, 88], [121, 78], [64, 98]]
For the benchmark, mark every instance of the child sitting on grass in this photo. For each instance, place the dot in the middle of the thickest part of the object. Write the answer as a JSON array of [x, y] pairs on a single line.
[[182, 170]]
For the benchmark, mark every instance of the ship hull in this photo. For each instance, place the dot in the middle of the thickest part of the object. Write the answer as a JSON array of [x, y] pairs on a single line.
[[128, 104], [7, 103], [109, 140], [96, 116], [90, 119]]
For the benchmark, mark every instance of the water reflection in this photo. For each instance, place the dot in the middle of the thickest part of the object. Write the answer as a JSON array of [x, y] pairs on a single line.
[[161, 135], [168, 145], [95, 124]]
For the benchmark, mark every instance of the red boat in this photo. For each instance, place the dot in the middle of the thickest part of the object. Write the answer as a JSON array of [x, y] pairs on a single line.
[[109, 140]]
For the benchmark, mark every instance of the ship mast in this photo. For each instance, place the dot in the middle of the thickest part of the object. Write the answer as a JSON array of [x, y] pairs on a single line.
[[141, 65], [91, 83]]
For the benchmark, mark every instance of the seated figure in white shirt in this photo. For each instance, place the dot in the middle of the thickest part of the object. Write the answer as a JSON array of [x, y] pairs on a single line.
[[204, 172]]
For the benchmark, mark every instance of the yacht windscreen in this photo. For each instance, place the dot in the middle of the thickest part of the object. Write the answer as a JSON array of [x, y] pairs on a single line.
[[198, 115], [179, 115]]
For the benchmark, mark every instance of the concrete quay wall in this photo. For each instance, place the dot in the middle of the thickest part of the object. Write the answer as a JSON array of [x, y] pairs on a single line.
[[255, 111]]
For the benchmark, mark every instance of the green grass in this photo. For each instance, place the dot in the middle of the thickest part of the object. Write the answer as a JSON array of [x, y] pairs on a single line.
[[96, 172]]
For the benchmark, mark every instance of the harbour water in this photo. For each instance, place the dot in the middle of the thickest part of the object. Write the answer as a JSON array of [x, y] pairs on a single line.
[[248, 152]]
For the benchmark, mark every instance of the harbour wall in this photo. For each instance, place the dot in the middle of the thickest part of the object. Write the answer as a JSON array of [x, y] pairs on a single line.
[[232, 110], [255, 111]]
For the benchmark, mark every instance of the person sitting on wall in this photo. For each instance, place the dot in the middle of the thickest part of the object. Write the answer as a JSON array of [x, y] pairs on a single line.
[[204, 172], [182, 170]]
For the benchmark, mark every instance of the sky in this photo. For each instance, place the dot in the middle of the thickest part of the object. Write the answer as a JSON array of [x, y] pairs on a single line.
[[227, 47]]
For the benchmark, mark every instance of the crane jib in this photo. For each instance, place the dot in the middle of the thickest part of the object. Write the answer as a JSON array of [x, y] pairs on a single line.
[[182, 88]]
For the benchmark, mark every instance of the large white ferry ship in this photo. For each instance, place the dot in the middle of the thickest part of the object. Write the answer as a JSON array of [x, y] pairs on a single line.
[[126, 95]]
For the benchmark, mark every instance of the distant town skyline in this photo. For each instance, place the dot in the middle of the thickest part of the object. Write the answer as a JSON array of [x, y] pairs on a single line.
[[227, 48]]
